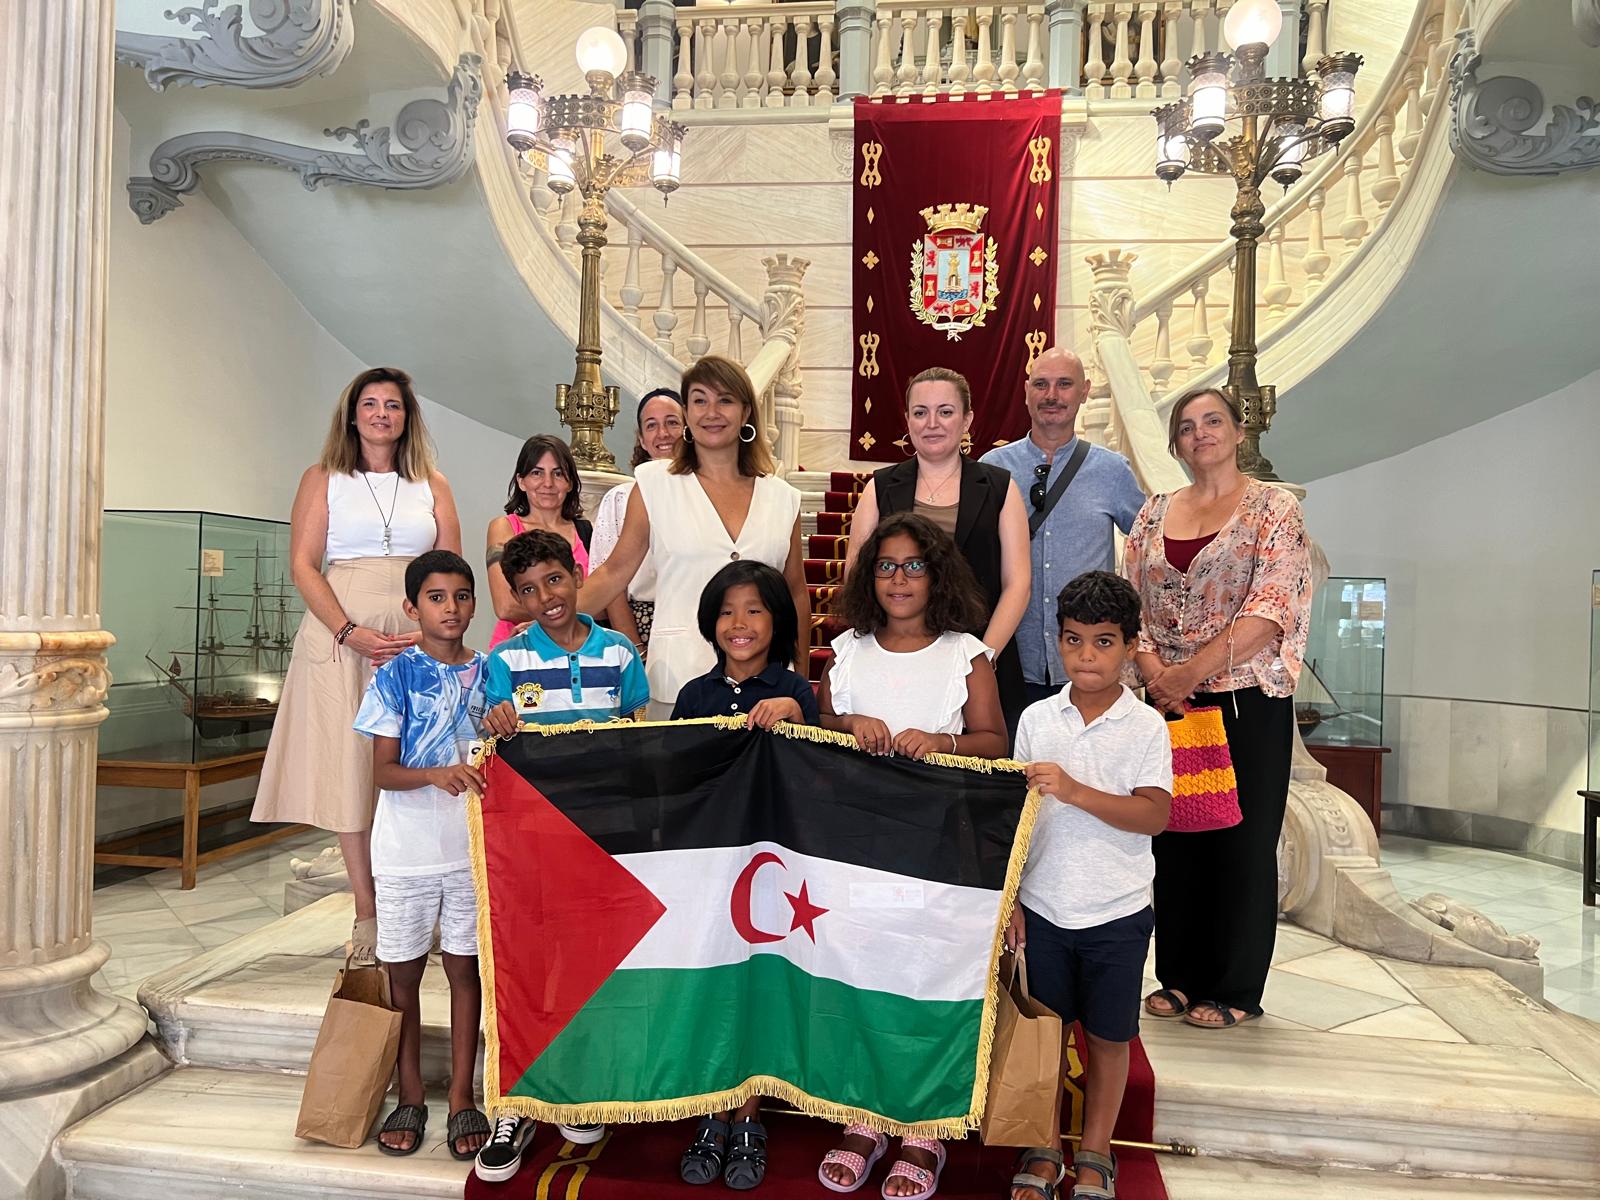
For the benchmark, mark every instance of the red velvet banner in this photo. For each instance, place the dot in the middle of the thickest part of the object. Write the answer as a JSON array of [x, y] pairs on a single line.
[[954, 257]]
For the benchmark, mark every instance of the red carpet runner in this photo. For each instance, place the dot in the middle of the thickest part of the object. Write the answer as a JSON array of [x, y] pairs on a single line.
[[640, 1162]]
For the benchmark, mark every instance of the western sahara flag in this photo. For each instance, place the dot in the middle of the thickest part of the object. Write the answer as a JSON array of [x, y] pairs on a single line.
[[676, 917]]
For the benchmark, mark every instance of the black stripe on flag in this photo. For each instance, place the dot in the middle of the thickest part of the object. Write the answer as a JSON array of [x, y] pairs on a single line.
[[687, 786]]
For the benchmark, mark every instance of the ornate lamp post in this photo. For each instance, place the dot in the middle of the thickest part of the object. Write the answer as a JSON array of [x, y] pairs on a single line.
[[610, 137], [1278, 124]]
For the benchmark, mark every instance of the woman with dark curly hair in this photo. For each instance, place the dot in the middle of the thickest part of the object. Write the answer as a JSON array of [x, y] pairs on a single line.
[[544, 493], [909, 677]]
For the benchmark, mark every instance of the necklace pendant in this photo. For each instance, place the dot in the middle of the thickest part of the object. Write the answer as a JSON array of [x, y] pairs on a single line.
[[387, 544]]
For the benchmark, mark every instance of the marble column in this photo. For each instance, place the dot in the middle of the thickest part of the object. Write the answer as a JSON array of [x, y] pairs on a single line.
[[1066, 45], [853, 19], [60, 1039], [658, 39]]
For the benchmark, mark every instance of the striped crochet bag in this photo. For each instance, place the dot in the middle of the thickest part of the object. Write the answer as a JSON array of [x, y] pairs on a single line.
[[1205, 791]]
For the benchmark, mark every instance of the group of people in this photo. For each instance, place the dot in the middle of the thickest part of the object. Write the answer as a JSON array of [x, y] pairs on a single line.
[[984, 618]]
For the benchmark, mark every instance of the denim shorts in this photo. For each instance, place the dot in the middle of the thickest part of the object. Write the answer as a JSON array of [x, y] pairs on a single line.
[[1092, 975]]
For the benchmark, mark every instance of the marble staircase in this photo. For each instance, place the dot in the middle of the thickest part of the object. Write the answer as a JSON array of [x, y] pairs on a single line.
[[1274, 1107]]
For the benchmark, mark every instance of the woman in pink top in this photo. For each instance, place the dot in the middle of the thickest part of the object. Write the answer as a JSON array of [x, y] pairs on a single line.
[[545, 493], [1223, 572]]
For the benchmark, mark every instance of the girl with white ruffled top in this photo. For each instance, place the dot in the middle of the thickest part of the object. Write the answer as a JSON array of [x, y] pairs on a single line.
[[910, 678]]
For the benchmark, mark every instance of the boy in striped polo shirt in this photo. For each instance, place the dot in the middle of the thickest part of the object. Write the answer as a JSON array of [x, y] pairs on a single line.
[[563, 667]]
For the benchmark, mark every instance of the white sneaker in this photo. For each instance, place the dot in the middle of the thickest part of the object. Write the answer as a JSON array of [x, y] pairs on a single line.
[[582, 1135], [501, 1156]]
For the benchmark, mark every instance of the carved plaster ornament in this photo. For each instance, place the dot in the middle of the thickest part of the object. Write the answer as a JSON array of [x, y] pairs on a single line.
[[435, 148], [299, 39], [1475, 929], [1491, 121], [32, 684], [1586, 20]]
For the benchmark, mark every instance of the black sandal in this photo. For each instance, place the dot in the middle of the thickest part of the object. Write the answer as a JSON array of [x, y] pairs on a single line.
[[406, 1118], [747, 1156], [1038, 1183], [702, 1161], [463, 1124], [1171, 997]]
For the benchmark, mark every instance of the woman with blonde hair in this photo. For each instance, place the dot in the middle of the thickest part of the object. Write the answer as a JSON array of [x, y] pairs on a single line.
[[372, 503], [716, 501]]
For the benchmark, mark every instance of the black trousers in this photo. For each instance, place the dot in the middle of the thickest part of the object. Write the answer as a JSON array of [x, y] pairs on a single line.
[[1216, 893]]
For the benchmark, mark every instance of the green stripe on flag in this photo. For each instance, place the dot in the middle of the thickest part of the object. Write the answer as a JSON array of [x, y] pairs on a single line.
[[708, 1030]]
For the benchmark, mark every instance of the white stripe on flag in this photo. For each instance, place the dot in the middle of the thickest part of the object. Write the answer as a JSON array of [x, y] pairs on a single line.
[[887, 932]]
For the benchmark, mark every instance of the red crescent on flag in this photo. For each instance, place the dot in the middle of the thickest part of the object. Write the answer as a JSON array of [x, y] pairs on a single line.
[[739, 903]]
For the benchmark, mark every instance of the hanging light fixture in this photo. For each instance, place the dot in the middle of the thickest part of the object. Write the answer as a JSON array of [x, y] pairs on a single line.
[[1280, 124], [612, 136]]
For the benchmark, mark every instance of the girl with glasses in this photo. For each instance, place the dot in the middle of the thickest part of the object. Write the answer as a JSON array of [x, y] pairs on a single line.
[[910, 678]]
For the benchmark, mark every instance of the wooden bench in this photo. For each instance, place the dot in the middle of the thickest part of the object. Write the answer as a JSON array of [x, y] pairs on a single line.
[[189, 777]]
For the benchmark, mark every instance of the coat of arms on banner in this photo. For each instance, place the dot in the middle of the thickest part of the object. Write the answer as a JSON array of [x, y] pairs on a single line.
[[954, 271]]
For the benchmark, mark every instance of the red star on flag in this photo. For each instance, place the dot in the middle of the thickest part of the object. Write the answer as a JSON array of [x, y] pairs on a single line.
[[805, 912]]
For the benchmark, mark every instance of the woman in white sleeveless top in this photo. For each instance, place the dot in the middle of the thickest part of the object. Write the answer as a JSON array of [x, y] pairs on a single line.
[[372, 504], [716, 501]]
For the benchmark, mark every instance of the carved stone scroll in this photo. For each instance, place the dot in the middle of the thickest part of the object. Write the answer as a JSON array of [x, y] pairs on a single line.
[[299, 39], [1499, 125]]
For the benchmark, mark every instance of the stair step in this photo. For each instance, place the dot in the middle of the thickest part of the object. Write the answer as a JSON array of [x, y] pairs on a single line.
[[827, 545], [833, 522], [1210, 1178], [1387, 1104], [840, 502], [199, 1133], [848, 481], [824, 571]]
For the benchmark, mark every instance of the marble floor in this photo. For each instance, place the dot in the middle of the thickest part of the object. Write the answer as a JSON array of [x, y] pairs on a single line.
[[151, 925]]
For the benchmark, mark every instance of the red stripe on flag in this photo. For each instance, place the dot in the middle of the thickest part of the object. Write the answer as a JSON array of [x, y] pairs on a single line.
[[563, 911]]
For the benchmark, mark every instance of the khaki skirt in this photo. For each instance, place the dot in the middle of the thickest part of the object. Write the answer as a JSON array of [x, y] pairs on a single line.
[[318, 769]]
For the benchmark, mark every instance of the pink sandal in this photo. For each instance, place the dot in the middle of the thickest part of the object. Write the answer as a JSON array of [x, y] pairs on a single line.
[[851, 1161], [927, 1180]]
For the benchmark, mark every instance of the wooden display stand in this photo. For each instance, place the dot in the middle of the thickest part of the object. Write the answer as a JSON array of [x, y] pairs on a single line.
[[1358, 772], [190, 777]]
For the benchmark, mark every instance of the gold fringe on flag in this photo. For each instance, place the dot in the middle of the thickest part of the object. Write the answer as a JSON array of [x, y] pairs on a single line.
[[678, 1108]]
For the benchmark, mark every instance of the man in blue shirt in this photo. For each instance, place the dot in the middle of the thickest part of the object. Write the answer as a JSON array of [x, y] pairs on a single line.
[[1076, 536]]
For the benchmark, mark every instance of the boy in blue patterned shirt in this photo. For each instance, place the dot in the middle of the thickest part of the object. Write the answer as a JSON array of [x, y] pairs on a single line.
[[422, 710], [563, 667]]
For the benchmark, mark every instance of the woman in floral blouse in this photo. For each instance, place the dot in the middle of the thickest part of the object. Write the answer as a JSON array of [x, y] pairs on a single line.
[[1223, 571]]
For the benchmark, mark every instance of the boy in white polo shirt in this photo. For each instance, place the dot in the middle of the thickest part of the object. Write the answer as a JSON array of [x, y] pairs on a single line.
[[1102, 762]]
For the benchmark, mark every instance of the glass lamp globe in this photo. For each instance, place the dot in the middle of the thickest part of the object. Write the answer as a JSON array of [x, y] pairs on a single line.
[[1252, 21], [601, 49]]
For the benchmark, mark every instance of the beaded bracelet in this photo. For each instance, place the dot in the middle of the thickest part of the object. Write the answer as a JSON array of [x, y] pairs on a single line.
[[349, 628]]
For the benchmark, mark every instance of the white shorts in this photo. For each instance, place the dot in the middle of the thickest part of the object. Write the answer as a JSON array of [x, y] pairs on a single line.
[[410, 905]]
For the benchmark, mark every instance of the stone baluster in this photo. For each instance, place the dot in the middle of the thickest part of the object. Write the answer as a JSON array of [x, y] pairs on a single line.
[[683, 80], [1355, 225], [1094, 67], [1317, 260], [1122, 64], [705, 75], [932, 66], [1430, 54], [1449, 22], [728, 77], [1316, 35], [983, 72], [960, 69], [1145, 69], [631, 293], [1008, 51], [1033, 65], [1276, 291], [1171, 13], [1387, 185], [1200, 340], [65, 1048], [628, 30], [544, 200], [665, 317], [1065, 70], [883, 69], [1412, 133], [825, 76], [1161, 364], [777, 70], [783, 314], [1208, 28], [753, 54], [735, 333], [699, 340], [906, 73], [567, 224]]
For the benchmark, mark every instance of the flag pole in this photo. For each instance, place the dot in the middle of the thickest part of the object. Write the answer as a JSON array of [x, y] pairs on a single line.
[[1173, 1147]]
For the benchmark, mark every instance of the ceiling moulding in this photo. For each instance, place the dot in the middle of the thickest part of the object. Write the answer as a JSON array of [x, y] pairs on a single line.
[[1490, 122], [436, 137], [299, 39]]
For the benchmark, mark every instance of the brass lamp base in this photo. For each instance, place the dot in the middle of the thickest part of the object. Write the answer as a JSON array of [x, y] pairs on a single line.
[[589, 410]]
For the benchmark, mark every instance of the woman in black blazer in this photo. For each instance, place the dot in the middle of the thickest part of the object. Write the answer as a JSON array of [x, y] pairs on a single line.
[[977, 504]]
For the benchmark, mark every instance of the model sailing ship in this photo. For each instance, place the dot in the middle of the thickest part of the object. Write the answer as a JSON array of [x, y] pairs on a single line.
[[223, 693]]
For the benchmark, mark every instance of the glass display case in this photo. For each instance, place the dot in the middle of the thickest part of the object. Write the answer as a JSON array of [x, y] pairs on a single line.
[[1339, 700], [205, 616]]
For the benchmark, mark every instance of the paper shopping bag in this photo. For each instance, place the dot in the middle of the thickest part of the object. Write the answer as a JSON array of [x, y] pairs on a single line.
[[352, 1060], [1024, 1104]]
